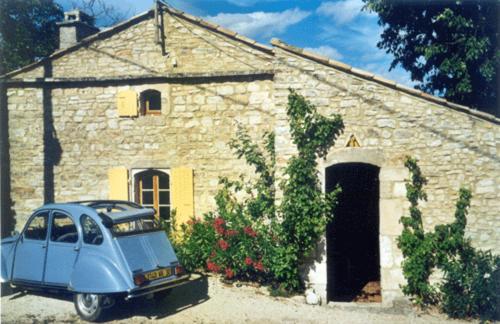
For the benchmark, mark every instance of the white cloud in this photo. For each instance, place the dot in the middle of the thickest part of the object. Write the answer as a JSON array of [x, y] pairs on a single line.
[[341, 11], [326, 50], [259, 23]]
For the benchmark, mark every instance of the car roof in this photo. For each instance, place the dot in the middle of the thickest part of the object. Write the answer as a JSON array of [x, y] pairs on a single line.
[[71, 208], [111, 211]]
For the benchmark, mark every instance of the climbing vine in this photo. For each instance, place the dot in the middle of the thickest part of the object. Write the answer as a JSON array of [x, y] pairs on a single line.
[[471, 277]]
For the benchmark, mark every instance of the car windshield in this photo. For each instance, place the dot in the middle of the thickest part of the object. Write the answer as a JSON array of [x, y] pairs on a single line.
[[136, 226]]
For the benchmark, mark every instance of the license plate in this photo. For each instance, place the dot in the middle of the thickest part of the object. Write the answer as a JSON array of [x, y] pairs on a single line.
[[157, 274]]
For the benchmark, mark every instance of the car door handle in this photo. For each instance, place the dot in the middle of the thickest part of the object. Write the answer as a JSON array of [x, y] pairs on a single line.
[[76, 248], [44, 246]]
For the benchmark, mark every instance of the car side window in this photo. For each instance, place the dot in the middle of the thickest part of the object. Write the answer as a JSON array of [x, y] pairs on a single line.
[[63, 229], [37, 228], [91, 232]]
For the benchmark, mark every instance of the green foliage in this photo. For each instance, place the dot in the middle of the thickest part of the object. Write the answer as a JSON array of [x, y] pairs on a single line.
[[28, 31], [450, 47], [305, 210], [262, 192], [417, 248], [471, 282], [250, 238]]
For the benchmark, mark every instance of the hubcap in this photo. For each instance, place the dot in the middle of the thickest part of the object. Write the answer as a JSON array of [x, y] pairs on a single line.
[[87, 303]]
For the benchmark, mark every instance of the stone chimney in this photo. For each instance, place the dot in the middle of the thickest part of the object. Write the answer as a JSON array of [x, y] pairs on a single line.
[[76, 26]]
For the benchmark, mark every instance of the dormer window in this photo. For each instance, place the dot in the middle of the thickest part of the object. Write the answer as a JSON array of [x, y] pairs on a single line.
[[150, 102]]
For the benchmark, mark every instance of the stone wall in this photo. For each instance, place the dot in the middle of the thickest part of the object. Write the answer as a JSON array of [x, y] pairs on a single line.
[[454, 149], [133, 52], [196, 123]]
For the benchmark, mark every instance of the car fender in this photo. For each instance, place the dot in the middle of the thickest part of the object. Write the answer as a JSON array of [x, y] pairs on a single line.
[[95, 273]]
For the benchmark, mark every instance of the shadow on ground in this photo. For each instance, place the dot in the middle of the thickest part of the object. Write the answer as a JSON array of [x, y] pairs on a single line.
[[189, 295], [183, 297]]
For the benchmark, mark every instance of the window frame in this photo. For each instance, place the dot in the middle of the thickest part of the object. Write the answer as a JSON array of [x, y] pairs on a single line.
[[145, 101], [134, 175], [83, 230], [47, 225], [51, 228]]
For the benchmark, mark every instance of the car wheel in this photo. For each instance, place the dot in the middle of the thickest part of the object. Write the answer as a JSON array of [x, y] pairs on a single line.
[[88, 306]]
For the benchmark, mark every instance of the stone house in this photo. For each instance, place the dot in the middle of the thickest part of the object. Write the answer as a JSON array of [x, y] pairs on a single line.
[[144, 111]]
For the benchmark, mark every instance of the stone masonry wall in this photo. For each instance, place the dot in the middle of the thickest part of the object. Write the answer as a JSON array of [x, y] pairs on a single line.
[[454, 149], [133, 52], [196, 123]]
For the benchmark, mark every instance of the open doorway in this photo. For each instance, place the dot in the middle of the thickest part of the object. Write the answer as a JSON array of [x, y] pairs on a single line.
[[353, 256]]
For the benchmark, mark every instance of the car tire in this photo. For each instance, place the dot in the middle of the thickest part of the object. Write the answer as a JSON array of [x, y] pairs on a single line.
[[88, 306]]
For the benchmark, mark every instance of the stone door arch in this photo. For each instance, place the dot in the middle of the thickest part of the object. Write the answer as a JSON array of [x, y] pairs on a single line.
[[391, 205]]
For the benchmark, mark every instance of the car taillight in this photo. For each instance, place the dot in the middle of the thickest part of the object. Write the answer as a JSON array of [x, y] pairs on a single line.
[[179, 270], [139, 279]]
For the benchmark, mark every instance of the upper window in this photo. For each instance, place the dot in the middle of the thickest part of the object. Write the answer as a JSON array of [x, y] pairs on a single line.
[[151, 102], [63, 229], [152, 189], [91, 232], [37, 228]]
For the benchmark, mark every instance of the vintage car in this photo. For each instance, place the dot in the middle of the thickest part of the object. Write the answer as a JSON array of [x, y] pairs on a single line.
[[100, 251]]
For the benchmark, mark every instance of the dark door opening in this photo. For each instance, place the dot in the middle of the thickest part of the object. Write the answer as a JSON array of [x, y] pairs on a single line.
[[353, 257]]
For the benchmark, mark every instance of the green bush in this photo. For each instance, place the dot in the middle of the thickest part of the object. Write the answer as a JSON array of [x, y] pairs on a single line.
[[471, 282], [471, 286], [251, 238]]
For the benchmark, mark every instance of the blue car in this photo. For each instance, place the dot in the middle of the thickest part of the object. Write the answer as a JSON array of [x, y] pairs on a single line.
[[100, 251]]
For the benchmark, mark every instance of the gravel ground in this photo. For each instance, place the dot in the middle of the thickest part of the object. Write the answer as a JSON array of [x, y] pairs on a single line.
[[207, 300]]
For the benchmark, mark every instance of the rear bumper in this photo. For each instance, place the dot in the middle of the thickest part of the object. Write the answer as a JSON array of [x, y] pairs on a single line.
[[159, 286]]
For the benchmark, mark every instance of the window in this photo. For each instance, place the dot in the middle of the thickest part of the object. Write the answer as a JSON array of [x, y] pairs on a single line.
[[63, 229], [91, 232], [137, 226], [152, 189], [150, 102], [37, 228]]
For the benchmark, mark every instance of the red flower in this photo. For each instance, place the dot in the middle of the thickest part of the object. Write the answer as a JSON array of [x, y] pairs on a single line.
[[248, 261], [223, 245], [229, 273], [231, 233], [249, 231], [219, 225], [258, 266], [211, 266]]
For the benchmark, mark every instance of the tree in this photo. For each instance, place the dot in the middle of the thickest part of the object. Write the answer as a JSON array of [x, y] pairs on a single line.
[[450, 47], [28, 31]]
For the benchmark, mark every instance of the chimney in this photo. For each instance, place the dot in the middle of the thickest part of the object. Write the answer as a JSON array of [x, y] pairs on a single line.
[[76, 26]]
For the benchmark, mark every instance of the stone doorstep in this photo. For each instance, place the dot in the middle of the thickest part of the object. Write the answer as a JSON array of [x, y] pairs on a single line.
[[397, 306]]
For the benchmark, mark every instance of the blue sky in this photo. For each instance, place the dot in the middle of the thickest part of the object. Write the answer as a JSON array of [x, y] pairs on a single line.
[[336, 28]]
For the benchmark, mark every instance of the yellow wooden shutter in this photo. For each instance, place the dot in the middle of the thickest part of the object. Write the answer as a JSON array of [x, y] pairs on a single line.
[[126, 102], [182, 194], [118, 183]]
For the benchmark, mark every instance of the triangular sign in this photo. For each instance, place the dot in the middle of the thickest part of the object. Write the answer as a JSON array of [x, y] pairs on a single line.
[[353, 142]]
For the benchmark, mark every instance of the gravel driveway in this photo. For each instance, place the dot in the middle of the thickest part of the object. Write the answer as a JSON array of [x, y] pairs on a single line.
[[207, 300]]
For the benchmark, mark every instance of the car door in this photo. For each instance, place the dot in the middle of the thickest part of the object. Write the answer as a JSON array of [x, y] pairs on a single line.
[[62, 251], [31, 250]]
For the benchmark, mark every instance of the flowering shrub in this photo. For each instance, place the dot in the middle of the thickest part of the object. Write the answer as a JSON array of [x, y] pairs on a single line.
[[244, 238]]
